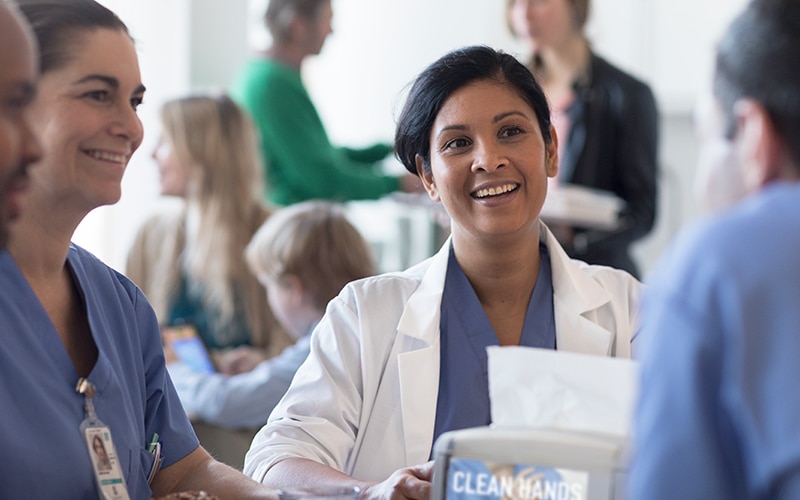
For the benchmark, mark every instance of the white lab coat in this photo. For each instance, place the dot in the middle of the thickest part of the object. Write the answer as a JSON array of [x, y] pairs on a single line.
[[364, 402]]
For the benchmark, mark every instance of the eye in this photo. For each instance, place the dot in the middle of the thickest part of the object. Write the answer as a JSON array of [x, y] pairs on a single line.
[[457, 143], [136, 102], [511, 131], [97, 95]]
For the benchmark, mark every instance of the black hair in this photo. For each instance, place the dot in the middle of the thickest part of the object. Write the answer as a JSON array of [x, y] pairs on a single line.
[[58, 24], [448, 74], [757, 59]]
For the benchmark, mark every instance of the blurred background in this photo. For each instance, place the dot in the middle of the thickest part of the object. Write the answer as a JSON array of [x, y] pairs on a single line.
[[359, 79]]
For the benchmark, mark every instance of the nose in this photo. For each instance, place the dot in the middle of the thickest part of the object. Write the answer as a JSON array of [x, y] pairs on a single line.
[[31, 149], [488, 157], [127, 124]]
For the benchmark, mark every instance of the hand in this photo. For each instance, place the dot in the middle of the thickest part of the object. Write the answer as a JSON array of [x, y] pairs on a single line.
[[239, 360], [169, 354], [411, 483]]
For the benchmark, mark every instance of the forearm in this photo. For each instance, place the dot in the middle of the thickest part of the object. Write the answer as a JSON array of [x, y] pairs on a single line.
[[198, 471], [302, 472]]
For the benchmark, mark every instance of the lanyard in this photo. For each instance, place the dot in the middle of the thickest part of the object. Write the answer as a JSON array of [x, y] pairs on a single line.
[[105, 462]]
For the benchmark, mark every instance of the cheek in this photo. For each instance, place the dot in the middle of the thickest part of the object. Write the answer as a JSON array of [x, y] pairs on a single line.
[[8, 150], [717, 181]]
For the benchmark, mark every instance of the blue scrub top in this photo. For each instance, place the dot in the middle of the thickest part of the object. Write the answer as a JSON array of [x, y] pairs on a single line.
[[466, 333], [44, 453]]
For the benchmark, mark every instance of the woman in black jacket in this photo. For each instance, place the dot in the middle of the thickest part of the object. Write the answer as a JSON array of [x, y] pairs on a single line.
[[607, 124]]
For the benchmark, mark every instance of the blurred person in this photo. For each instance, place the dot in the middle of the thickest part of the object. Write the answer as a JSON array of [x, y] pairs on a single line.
[[607, 122], [717, 415], [189, 262], [400, 358], [82, 345], [300, 161], [303, 255], [18, 147]]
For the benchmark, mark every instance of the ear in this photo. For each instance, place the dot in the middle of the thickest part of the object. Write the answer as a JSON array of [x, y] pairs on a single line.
[[551, 154], [427, 179], [762, 149]]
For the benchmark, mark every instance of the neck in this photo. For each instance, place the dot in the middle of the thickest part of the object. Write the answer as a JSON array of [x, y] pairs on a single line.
[[500, 271], [561, 64], [40, 241], [288, 54]]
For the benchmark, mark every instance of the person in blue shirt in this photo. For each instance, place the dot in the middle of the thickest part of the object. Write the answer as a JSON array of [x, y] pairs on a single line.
[[81, 354], [719, 414], [18, 147], [303, 255]]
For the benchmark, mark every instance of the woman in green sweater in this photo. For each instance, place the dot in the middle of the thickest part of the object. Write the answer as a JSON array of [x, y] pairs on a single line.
[[301, 163]]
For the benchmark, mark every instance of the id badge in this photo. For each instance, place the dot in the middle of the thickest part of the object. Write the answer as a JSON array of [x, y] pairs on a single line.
[[105, 461]]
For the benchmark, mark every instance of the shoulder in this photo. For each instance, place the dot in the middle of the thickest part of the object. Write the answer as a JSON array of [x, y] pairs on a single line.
[[100, 277], [618, 82], [391, 287], [165, 225], [166, 220]]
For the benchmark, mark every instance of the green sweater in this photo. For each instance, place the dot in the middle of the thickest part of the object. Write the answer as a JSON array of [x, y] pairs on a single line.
[[301, 163]]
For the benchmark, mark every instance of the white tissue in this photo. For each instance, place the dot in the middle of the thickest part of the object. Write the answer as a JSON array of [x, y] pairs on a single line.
[[542, 388]]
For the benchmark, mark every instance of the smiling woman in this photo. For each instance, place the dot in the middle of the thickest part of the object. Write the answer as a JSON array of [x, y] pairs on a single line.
[[83, 335], [476, 129]]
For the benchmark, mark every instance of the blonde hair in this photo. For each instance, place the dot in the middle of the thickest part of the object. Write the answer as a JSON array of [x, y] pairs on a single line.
[[315, 242], [215, 139]]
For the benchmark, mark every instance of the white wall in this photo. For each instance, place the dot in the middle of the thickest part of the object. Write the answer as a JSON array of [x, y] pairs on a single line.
[[377, 48]]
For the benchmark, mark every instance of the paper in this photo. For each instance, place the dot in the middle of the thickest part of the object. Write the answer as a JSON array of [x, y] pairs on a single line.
[[581, 206], [542, 388]]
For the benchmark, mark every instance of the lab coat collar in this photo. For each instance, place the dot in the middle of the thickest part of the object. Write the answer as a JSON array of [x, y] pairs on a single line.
[[417, 320], [576, 295]]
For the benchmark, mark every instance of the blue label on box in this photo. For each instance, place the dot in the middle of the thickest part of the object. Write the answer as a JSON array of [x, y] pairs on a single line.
[[470, 479]]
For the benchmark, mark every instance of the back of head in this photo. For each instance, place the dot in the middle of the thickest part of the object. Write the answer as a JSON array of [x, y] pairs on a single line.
[[218, 142], [59, 24], [315, 242], [757, 59], [281, 13], [445, 76]]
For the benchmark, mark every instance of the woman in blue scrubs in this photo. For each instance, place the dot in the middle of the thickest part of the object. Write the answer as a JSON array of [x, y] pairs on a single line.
[[81, 355], [401, 358]]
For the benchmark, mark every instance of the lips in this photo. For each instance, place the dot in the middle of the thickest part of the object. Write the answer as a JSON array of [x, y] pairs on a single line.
[[487, 192], [120, 158], [15, 190]]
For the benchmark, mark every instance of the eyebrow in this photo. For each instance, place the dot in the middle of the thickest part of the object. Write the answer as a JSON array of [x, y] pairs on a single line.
[[110, 81], [496, 119]]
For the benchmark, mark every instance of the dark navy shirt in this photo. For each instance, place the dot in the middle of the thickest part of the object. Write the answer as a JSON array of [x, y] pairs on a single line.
[[466, 333]]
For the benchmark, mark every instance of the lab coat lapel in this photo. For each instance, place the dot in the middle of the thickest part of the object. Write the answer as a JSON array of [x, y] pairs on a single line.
[[418, 362], [576, 295]]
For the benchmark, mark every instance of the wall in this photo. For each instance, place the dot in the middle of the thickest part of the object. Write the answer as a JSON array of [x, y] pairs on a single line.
[[377, 48]]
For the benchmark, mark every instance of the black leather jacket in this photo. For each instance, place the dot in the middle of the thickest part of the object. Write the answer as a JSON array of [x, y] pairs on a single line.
[[613, 146]]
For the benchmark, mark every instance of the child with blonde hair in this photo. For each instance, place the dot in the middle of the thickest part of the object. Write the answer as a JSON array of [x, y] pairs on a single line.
[[303, 255]]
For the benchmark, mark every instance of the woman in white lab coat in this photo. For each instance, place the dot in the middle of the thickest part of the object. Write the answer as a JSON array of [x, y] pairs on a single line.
[[400, 358]]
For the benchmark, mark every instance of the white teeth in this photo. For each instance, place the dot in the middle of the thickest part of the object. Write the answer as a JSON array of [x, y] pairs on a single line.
[[494, 191], [106, 156]]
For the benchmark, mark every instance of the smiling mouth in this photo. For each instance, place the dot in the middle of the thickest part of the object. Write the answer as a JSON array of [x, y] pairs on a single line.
[[107, 156], [495, 191]]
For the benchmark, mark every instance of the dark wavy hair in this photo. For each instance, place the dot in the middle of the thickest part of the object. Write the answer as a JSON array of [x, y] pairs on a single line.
[[58, 24], [441, 79], [757, 59]]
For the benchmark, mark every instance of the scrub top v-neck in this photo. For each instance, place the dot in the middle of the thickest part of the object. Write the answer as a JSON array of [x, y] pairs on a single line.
[[463, 399]]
